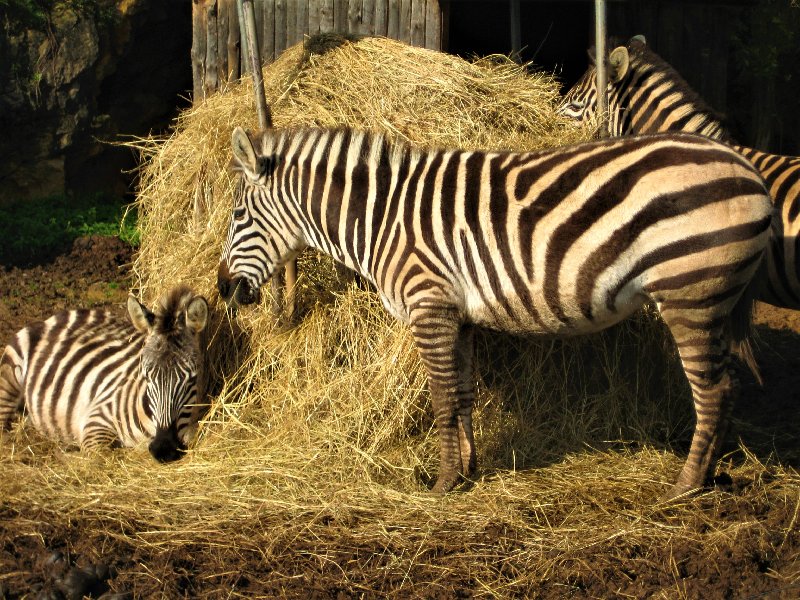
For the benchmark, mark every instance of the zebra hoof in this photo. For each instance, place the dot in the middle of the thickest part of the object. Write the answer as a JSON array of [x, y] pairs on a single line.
[[678, 493], [446, 483]]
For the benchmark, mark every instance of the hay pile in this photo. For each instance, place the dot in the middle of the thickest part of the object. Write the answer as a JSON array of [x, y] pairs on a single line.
[[310, 468]]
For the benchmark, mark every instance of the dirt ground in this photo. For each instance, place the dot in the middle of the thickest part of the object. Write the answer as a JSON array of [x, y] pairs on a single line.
[[94, 272]]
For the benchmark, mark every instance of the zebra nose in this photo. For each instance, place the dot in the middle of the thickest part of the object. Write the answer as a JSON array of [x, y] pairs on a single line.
[[225, 283], [246, 293], [166, 447]]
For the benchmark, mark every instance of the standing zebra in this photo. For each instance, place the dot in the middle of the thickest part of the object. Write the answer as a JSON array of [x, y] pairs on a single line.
[[647, 95], [91, 378], [560, 242]]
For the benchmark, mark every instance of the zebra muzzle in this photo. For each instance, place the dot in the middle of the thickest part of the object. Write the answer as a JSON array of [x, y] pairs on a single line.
[[235, 288], [166, 446]]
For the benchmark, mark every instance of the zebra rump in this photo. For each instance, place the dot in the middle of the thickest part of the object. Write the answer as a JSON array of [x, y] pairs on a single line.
[[561, 242], [647, 95], [90, 378]]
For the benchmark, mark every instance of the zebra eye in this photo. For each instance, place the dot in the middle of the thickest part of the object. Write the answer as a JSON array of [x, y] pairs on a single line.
[[577, 104], [238, 212]]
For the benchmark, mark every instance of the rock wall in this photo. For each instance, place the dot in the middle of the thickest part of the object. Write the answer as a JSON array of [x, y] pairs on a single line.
[[77, 74]]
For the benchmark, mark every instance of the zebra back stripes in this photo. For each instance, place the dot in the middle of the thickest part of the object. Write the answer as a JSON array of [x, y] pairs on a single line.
[[560, 242], [91, 378], [647, 95]]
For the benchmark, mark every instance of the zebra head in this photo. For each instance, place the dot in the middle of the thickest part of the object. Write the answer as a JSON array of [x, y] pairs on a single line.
[[260, 239], [171, 364], [580, 102]]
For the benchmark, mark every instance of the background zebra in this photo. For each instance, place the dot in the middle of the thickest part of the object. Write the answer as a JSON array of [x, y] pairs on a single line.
[[91, 378], [560, 242], [647, 95]]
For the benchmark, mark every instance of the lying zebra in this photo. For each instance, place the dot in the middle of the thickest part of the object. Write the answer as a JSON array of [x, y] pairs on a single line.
[[92, 378]]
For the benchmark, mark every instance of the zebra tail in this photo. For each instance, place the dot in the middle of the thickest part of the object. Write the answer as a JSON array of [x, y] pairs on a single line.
[[741, 321]]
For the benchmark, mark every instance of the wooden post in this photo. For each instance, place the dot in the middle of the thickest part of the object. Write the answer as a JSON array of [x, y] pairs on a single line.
[[602, 73], [265, 122], [264, 114]]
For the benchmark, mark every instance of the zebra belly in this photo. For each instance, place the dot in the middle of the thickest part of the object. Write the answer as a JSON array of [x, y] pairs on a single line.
[[514, 315]]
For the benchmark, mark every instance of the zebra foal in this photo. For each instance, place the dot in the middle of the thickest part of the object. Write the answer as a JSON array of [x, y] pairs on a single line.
[[91, 378], [561, 242], [647, 95]]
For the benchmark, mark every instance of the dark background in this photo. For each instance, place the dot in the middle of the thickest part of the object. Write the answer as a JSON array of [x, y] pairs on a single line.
[[741, 56]]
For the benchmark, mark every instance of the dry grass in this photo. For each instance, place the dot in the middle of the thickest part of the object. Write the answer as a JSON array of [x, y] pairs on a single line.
[[309, 472]]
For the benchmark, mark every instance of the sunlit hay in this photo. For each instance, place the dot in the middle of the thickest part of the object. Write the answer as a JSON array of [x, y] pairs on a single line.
[[320, 440], [346, 386]]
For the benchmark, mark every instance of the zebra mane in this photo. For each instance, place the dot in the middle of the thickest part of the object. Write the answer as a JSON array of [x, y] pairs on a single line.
[[277, 141], [170, 310], [642, 56]]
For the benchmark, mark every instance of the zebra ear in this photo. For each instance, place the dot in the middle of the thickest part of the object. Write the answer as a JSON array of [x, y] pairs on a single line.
[[197, 314], [618, 62], [243, 150], [141, 317]]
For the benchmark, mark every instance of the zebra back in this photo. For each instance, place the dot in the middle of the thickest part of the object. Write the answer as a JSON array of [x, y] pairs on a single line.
[[647, 95], [91, 378]]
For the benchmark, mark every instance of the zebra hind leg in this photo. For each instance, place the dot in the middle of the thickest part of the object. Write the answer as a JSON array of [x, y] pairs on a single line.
[[436, 332], [707, 364]]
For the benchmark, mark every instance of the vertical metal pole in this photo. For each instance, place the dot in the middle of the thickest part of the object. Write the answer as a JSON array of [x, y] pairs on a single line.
[[516, 35], [602, 73]]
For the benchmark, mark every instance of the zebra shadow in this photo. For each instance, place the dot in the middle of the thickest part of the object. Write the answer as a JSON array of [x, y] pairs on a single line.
[[542, 400], [766, 417]]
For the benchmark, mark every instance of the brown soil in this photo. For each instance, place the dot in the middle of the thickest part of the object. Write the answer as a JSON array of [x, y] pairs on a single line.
[[46, 560]]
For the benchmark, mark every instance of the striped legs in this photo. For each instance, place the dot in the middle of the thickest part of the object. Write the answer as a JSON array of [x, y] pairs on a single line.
[[11, 399], [465, 350], [706, 361], [445, 348], [99, 438]]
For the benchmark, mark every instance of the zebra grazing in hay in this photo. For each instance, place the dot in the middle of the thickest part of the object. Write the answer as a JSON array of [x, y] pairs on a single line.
[[91, 378], [560, 242], [647, 95]]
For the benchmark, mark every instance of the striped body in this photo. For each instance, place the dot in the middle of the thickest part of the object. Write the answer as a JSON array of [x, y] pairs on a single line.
[[646, 95], [90, 378], [561, 242]]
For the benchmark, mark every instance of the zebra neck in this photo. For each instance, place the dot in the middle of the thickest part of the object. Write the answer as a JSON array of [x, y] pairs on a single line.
[[654, 98], [337, 182]]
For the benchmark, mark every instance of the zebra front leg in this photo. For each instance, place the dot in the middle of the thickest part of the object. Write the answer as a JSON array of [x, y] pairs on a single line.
[[99, 438], [11, 396], [706, 362], [436, 332], [465, 350]]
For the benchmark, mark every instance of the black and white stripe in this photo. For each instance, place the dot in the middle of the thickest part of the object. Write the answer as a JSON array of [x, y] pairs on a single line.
[[91, 378], [560, 242], [647, 95]]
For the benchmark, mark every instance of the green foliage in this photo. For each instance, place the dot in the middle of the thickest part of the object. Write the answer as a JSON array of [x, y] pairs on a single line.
[[34, 229], [37, 13]]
